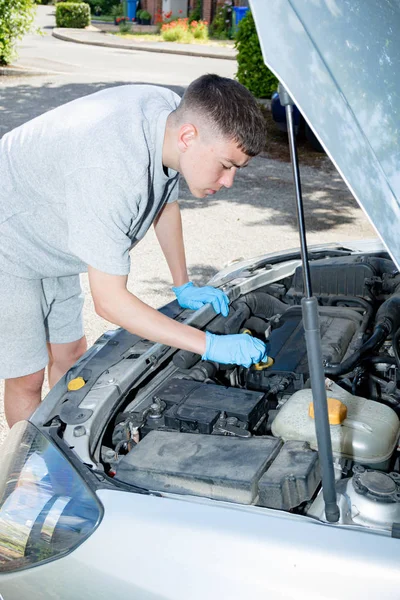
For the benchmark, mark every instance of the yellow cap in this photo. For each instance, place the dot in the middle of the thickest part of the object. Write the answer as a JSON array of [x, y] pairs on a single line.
[[337, 411], [246, 331], [76, 384], [264, 365]]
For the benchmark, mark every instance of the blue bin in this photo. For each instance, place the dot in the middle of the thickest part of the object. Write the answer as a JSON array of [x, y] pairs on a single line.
[[239, 12], [131, 9]]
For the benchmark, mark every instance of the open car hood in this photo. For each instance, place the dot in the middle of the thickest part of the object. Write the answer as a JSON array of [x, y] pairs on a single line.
[[340, 62]]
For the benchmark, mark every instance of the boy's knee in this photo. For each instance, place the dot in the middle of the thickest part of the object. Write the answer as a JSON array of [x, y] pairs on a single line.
[[64, 356], [78, 350], [27, 384]]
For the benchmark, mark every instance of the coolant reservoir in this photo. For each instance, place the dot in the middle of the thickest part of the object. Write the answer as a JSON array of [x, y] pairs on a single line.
[[366, 433]]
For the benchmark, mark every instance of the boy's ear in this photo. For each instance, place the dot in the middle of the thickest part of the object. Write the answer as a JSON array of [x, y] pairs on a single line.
[[186, 136]]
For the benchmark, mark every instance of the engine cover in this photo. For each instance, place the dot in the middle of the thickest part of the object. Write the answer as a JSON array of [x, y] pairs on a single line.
[[342, 276], [287, 345]]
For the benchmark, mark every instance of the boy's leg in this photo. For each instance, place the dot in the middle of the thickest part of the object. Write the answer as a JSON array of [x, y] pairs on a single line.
[[66, 340], [23, 351], [34, 311], [62, 357], [22, 396]]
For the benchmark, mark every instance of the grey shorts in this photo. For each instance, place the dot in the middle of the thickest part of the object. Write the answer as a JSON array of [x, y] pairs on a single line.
[[32, 313]]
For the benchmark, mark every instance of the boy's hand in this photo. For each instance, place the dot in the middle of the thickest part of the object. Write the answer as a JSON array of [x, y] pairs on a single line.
[[237, 349], [190, 296]]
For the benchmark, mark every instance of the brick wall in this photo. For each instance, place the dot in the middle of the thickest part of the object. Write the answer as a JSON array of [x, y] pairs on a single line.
[[152, 6], [209, 7]]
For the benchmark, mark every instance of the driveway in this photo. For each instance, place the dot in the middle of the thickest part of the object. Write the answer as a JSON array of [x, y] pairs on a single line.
[[256, 215]]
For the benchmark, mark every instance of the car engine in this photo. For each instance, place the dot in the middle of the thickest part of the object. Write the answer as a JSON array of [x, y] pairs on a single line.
[[247, 435]]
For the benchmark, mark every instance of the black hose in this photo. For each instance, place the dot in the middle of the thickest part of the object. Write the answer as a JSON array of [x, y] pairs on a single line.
[[258, 304], [263, 305], [395, 346], [382, 359], [388, 314], [374, 343]]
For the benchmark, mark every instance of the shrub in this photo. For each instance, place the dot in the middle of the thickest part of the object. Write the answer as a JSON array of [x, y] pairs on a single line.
[[124, 25], [221, 26], [73, 14], [195, 14], [145, 16], [16, 19], [252, 71], [181, 30], [105, 5], [116, 10], [199, 30], [176, 31]]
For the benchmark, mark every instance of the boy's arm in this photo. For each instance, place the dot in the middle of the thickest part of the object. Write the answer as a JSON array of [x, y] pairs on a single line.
[[168, 228], [116, 304]]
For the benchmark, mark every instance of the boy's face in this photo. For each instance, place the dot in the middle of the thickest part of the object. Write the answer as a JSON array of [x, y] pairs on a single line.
[[208, 165]]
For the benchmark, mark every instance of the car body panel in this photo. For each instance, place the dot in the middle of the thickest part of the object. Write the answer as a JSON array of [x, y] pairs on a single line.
[[346, 82], [156, 548]]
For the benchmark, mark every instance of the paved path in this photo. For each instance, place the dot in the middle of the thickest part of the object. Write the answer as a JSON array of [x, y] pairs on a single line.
[[256, 215]]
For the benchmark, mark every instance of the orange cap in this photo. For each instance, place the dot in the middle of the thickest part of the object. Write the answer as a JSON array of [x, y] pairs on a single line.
[[337, 411]]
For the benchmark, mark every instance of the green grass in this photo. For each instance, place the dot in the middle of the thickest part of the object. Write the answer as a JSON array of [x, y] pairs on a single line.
[[107, 18], [141, 37]]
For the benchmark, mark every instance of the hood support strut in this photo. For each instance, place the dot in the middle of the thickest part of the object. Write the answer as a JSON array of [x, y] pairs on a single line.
[[309, 306]]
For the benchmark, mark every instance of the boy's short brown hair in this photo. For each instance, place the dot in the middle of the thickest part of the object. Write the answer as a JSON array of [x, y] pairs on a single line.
[[232, 109]]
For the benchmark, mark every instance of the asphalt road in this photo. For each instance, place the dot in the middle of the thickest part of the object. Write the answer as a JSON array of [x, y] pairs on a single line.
[[256, 215]]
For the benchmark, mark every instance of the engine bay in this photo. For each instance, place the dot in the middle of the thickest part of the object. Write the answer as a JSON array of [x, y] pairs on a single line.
[[247, 435]]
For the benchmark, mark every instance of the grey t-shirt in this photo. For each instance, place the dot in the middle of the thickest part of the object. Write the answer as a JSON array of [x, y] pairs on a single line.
[[81, 184]]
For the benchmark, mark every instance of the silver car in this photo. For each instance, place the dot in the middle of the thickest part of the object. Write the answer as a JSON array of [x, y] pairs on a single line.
[[147, 473]]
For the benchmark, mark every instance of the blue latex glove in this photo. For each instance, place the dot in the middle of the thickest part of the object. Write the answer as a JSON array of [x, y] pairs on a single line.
[[238, 349], [193, 297]]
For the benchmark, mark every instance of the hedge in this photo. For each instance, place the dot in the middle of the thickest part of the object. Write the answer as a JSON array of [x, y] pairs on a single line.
[[16, 19], [252, 72], [73, 14]]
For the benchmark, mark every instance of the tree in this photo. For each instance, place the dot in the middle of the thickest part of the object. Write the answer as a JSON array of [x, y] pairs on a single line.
[[16, 19]]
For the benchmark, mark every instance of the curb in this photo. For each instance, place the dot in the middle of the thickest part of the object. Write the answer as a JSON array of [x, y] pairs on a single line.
[[204, 54]]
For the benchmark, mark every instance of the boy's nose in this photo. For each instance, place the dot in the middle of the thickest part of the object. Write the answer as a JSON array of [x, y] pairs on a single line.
[[228, 177]]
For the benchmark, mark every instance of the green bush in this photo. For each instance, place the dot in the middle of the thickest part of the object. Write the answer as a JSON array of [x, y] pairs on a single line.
[[16, 19], [116, 10], [124, 25], [252, 71], [195, 14], [105, 5], [73, 14], [221, 26]]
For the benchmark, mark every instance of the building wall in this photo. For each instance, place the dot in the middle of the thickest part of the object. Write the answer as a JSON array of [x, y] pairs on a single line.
[[152, 6], [209, 7]]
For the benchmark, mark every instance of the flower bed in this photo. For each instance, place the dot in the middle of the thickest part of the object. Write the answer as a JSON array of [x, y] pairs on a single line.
[[180, 30]]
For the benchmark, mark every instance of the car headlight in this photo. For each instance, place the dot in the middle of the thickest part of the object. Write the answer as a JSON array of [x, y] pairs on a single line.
[[46, 509]]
